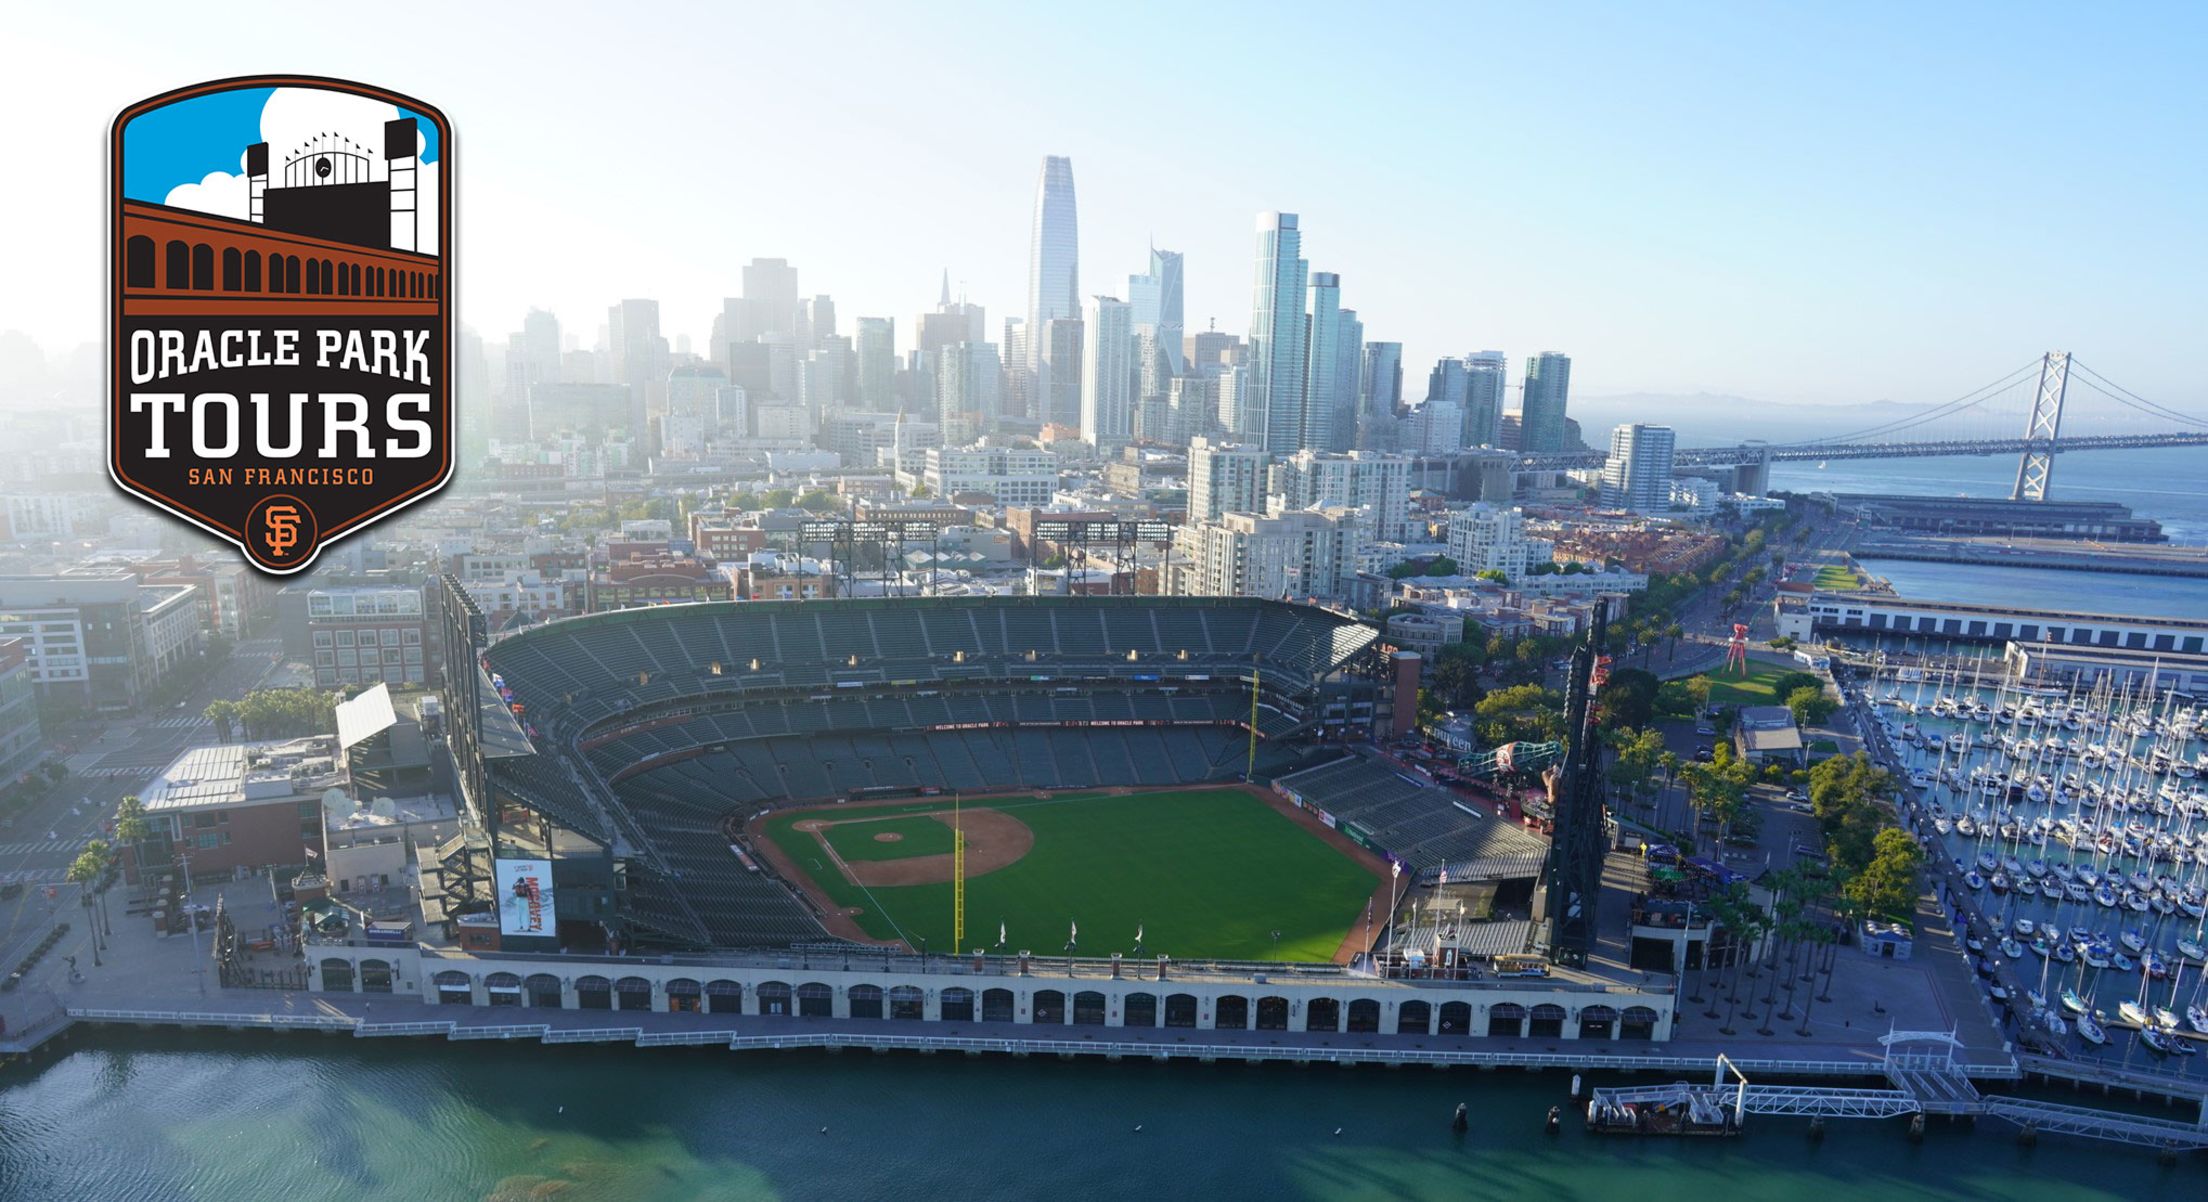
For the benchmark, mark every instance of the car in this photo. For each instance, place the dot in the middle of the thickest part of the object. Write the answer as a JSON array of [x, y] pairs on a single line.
[[1705, 729], [1796, 796], [10, 890], [1702, 755]]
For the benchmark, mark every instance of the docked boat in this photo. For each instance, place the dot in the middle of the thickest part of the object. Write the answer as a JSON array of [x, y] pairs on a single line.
[[2197, 1019], [2090, 1031], [2133, 1012], [2156, 1041], [2012, 949], [2072, 1002], [2132, 942], [2192, 951]]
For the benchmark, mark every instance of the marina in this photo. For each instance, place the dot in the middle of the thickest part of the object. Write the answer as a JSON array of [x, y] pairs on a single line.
[[2072, 828]]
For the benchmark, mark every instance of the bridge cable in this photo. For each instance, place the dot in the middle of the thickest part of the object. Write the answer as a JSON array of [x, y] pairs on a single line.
[[2152, 406], [1968, 400]]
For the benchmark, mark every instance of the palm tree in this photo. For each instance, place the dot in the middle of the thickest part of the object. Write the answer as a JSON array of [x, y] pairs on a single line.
[[1821, 935], [131, 830], [1673, 632], [84, 871], [224, 714]]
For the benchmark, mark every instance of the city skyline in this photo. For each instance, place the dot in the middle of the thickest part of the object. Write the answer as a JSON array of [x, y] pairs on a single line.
[[1810, 215]]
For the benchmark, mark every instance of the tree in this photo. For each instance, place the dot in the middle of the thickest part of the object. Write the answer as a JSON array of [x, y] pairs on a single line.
[[1521, 713], [1673, 633], [1810, 705], [1456, 684], [1785, 685], [777, 498], [1639, 754], [1718, 790], [132, 829], [85, 872], [224, 714], [1493, 575], [817, 500], [1628, 698], [1686, 698], [1887, 886]]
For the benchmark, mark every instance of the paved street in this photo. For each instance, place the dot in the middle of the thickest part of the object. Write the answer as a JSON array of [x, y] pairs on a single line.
[[107, 758]]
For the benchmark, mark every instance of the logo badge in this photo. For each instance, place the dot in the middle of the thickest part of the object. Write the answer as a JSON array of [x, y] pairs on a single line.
[[281, 315]]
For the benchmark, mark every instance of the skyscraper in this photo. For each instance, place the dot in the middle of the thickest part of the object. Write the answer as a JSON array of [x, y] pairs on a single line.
[[1349, 354], [1272, 385], [1165, 266], [1483, 398], [1058, 376], [639, 359], [770, 301], [1108, 374], [1053, 257], [1380, 384], [1638, 473], [1548, 385], [1322, 338], [875, 348]]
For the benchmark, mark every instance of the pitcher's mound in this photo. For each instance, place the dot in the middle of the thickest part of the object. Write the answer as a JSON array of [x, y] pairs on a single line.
[[889, 837]]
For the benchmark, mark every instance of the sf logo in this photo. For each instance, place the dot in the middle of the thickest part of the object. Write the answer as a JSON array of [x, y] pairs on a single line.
[[283, 529], [280, 531]]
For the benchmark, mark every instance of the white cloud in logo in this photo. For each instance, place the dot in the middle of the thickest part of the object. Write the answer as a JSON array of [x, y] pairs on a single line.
[[290, 122]]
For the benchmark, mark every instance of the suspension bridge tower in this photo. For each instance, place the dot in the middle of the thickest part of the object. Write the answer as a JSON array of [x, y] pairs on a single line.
[[2037, 467]]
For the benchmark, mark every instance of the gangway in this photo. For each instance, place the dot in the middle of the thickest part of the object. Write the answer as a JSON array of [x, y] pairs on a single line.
[[1926, 1079], [2058, 1119]]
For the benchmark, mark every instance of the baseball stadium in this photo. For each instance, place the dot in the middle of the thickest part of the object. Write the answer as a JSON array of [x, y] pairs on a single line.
[[1048, 773]]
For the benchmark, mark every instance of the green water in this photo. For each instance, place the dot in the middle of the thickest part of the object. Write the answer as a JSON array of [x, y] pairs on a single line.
[[247, 1118]]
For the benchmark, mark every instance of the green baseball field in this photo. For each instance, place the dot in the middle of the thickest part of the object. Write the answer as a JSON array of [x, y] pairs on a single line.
[[1203, 874]]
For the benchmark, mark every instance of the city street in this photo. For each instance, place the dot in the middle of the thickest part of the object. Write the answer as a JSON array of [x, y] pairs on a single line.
[[107, 758]]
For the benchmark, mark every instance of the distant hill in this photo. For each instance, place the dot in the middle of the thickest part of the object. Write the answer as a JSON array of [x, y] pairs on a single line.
[[1714, 419]]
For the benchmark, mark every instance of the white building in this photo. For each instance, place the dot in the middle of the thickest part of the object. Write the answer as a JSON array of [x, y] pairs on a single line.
[[1013, 475], [1304, 553], [1436, 427], [1224, 478], [1108, 373], [1637, 475], [1485, 537], [1380, 482]]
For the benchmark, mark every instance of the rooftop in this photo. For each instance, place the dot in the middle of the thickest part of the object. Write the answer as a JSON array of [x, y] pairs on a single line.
[[232, 774]]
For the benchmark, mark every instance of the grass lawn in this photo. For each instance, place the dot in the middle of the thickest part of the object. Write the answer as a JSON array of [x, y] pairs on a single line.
[[1204, 873], [922, 837], [1836, 579], [1756, 688]]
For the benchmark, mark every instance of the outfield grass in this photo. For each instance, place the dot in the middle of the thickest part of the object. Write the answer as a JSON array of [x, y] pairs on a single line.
[[922, 837], [1756, 688], [1204, 873]]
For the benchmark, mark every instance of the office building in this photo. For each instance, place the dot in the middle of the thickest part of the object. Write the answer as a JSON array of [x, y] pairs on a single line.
[[1013, 475], [875, 348], [1273, 382], [1486, 537], [1057, 382], [1053, 262], [100, 639], [769, 304], [1107, 374], [1165, 268], [1380, 381]]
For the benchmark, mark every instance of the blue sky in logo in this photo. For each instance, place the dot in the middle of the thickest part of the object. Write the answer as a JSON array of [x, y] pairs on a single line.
[[181, 143]]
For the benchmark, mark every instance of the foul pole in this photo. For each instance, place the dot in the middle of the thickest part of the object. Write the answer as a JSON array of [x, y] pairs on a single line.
[[1249, 770], [958, 878]]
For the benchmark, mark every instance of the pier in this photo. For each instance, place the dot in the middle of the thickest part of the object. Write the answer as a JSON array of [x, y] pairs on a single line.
[[1922, 1082]]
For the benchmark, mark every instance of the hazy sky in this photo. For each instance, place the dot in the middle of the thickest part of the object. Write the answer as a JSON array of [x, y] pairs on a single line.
[[1771, 200]]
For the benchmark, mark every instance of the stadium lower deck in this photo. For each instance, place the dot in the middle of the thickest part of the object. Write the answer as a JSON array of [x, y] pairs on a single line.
[[629, 748]]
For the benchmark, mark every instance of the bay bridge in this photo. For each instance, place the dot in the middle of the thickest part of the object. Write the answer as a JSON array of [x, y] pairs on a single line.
[[2037, 393]]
